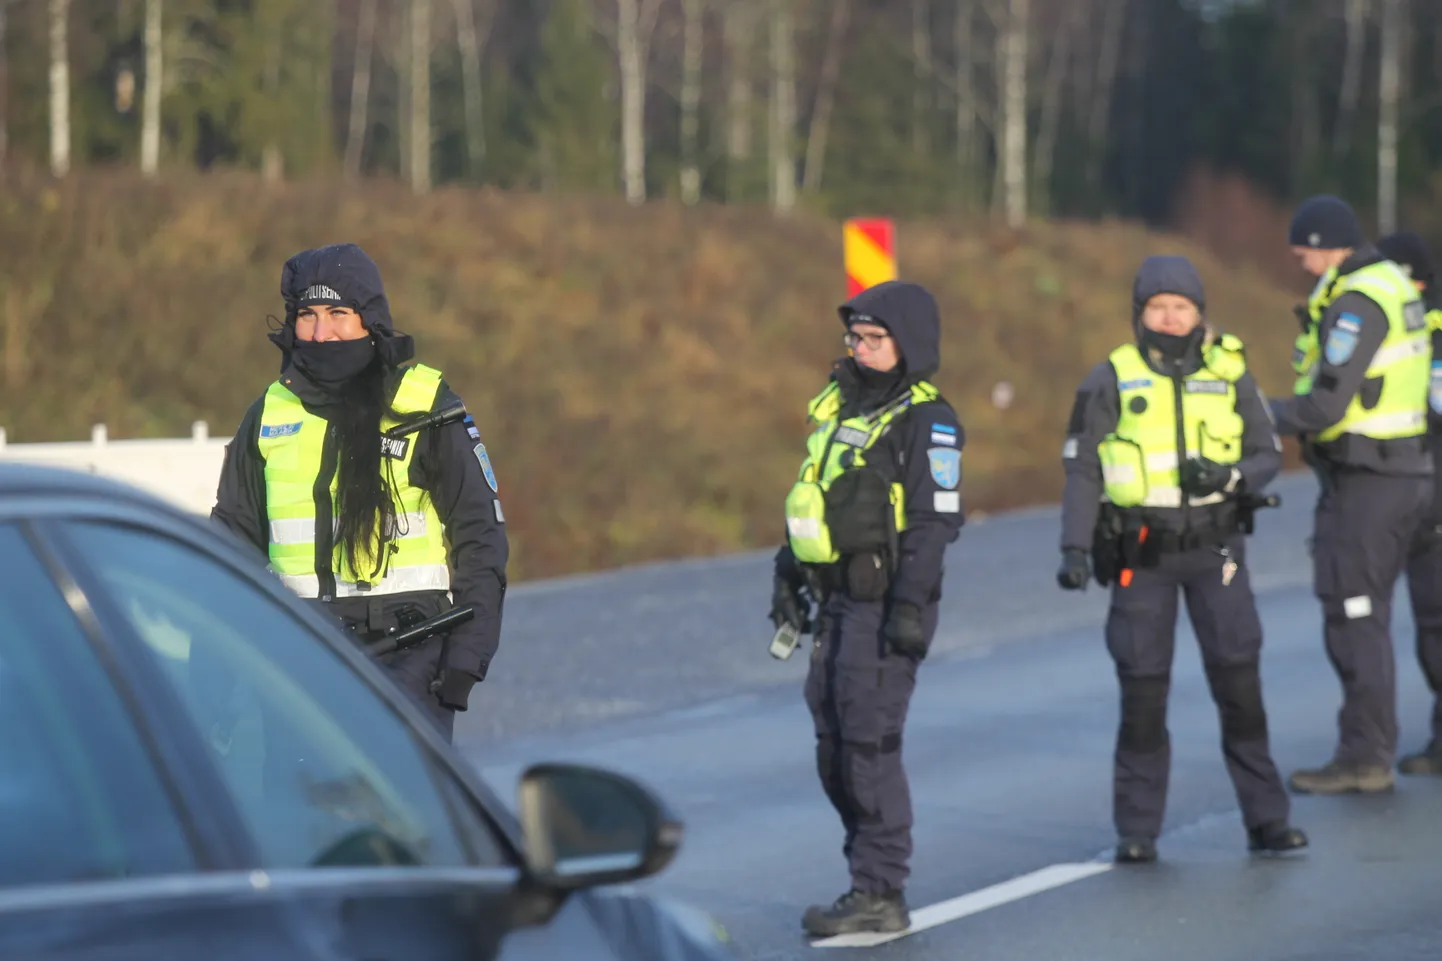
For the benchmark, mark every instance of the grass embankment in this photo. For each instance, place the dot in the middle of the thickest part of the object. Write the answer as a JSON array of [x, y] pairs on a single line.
[[640, 375]]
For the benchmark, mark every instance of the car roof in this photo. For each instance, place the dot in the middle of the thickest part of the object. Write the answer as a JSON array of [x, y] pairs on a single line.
[[23, 478]]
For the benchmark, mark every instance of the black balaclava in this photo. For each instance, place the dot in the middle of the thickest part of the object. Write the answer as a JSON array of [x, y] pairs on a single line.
[[1168, 275]]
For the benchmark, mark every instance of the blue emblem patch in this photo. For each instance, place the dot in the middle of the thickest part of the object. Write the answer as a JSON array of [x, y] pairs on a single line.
[[1341, 344], [279, 430], [943, 428], [485, 461], [1136, 384], [945, 466], [1434, 395]]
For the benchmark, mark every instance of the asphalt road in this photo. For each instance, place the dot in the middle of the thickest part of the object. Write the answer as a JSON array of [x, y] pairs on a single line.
[[661, 672]]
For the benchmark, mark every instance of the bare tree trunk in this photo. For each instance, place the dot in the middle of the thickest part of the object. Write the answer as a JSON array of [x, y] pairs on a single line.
[[272, 161], [1351, 74], [470, 41], [740, 27], [783, 109], [965, 90], [1014, 107], [59, 88], [692, 40], [1051, 101], [150, 123], [420, 91], [635, 21], [921, 73], [825, 97], [4, 82], [360, 88], [1389, 92], [1099, 122]]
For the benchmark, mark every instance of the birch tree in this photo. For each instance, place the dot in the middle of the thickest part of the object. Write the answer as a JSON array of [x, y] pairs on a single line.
[[1014, 43], [4, 82], [1351, 90], [360, 88], [1389, 92], [825, 97], [635, 24], [471, 37], [691, 49], [739, 28], [154, 65], [783, 109], [59, 88], [420, 96]]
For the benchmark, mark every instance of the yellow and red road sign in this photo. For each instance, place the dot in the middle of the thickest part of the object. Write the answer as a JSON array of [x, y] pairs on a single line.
[[869, 247]]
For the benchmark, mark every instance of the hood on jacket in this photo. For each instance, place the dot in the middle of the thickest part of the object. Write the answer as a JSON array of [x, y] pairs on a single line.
[[343, 275], [910, 313]]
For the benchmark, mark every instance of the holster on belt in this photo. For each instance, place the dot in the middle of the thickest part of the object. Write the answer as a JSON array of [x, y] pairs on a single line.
[[1107, 545]]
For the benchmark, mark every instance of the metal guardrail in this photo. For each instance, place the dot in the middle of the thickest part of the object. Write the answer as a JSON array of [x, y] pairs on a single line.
[[184, 471]]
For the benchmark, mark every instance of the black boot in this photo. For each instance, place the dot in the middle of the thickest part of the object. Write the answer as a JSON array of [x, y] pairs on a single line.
[[856, 912], [1278, 837], [1136, 850], [1427, 762]]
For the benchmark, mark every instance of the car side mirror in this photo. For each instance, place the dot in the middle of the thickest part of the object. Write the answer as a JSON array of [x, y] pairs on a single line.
[[585, 827]]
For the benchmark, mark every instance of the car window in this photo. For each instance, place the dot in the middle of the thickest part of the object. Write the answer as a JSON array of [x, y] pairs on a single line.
[[323, 771], [80, 798]]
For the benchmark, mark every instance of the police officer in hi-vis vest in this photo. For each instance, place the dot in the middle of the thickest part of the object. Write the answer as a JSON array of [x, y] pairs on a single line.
[[876, 503], [378, 529], [1360, 411], [1167, 451], [1424, 561]]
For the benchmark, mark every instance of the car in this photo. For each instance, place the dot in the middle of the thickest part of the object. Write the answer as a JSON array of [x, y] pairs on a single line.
[[196, 763]]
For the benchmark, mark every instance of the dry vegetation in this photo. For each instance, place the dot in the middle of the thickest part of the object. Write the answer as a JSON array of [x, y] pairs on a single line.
[[640, 374]]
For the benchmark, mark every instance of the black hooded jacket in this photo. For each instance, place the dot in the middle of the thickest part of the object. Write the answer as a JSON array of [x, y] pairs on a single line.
[[1096, 411], [934, 514], [446, 465]]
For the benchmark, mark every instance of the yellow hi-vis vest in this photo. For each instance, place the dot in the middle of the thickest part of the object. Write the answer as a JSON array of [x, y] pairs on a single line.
[[834, 447], [1161, 417], [1403, 361], [292, 441]]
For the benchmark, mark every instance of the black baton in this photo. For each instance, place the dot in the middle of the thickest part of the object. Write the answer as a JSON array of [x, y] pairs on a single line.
[[414, 635]]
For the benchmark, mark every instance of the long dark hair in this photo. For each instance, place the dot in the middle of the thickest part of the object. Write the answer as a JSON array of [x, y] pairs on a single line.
[[365, 500]]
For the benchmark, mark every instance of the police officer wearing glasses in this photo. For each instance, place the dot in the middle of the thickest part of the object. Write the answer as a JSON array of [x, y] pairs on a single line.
[[875, 505]]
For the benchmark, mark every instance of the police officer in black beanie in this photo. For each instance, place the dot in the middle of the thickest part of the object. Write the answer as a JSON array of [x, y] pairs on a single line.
[[1360, 412], [1424, 562]]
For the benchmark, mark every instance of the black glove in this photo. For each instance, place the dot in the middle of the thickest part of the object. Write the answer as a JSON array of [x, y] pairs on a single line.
[[1075, 569], [453, 688], [789, 605], [903, 630], [1202, 477]]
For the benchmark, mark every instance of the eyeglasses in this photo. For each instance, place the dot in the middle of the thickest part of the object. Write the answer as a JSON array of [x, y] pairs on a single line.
[[873, 341]]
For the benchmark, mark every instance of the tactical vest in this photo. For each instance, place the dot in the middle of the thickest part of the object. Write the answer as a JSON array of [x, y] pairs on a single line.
[[292, 442], [1402, 362], [838, 447], [1161, 417]]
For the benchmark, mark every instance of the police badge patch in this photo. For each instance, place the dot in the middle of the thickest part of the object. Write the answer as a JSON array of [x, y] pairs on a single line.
[[945, 466], [485, 462], [1342, 341]]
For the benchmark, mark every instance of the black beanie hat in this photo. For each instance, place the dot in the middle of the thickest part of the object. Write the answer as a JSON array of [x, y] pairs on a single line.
[[1325, 222], [1410, 251]]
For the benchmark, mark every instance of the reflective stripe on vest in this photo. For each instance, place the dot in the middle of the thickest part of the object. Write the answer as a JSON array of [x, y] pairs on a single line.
[[834, 447], [1402, 362], [292, 443], [1140, 460]]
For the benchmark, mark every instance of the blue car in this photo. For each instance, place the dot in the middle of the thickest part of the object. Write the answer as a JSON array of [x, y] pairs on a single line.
[[195, 764]]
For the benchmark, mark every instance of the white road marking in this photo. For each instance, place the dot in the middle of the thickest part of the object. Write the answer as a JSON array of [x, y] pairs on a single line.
[[975, 902]]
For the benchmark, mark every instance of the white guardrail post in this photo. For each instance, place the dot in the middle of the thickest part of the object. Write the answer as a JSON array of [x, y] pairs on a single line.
[[184, 471]]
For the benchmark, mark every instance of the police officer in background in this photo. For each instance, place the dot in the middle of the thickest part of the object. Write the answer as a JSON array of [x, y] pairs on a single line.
[[1424, 562], [877, 502], [1168, 437], [378, 530], [1360, 412]]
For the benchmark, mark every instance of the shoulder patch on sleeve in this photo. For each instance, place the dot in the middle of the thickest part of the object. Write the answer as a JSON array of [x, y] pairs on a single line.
[[1070, 448], [1341, 343], [485, 461], [945, 466], [946, 502]]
